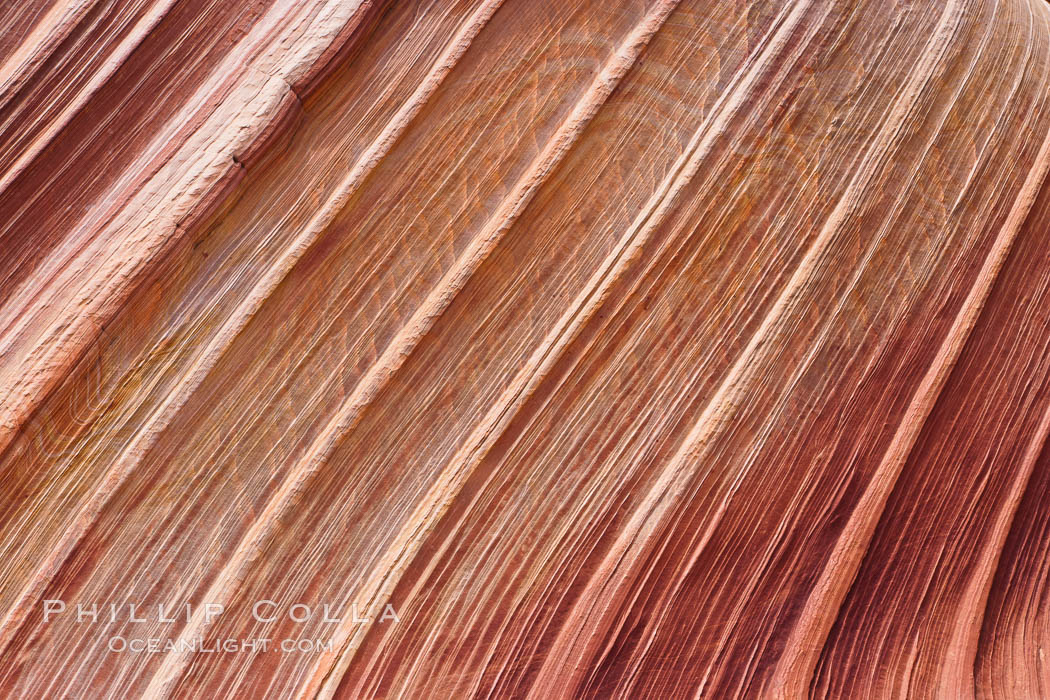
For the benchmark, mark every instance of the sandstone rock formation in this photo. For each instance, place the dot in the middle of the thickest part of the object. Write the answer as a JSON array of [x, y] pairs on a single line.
[[513, 348]]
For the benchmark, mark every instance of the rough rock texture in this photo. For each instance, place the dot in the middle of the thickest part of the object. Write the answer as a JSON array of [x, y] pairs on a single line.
[[647, 348]]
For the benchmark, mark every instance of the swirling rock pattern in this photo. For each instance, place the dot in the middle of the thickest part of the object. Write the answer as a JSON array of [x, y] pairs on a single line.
[[647, 348]]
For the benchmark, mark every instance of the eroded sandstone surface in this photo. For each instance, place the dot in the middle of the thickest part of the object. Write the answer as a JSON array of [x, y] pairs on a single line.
[[508, 348]]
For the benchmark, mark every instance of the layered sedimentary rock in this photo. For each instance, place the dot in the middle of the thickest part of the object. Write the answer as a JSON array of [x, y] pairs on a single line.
[[508, 348]]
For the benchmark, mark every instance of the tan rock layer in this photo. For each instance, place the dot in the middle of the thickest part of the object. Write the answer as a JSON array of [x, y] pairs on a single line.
[[652, 348]]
